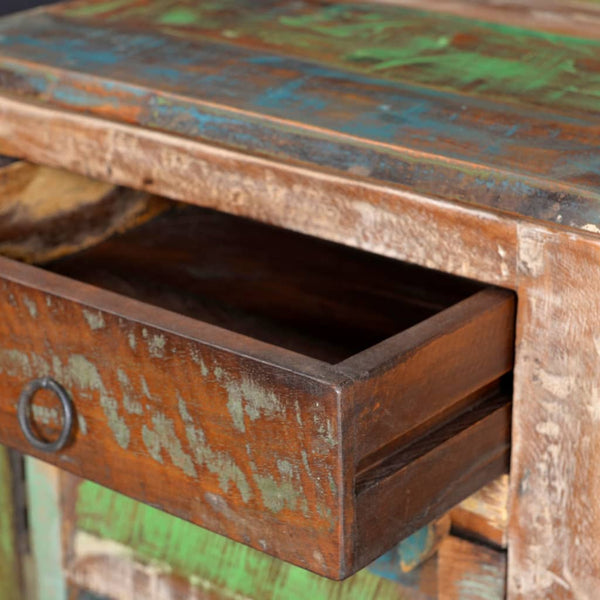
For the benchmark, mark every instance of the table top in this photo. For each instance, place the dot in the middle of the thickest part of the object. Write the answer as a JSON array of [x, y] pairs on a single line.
[[500, 111]]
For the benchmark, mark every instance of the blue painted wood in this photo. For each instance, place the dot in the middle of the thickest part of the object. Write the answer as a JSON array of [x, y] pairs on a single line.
[[516, 158]]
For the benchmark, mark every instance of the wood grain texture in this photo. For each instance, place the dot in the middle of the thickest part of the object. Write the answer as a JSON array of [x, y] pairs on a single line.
[[393, 222], [554, 553], [123, 549], [379, 508], [449, 357], [468, 571], [48, 213], [415, 550], [554, 475], [320, 299], [152, 418], [484, 515], [456, 111]]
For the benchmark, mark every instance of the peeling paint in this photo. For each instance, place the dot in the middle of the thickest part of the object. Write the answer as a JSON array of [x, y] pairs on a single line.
[[326, 431], [15, 363], [250, 398], [197, 359], [165, 437], [591, 227], [530, 251], [332, 484], [84, 374], [156, 346], [277, 496], [298, 414], [95, 320], [219, 463], [40, 365], [46, 415], [259, 401], [31, 306], [145, 388], [132, 341], [115, 421], [83, 428], [235, 406], [132, 406]]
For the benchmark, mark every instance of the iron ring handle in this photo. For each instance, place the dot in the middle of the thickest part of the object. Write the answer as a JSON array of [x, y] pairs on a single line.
[[24, 414]]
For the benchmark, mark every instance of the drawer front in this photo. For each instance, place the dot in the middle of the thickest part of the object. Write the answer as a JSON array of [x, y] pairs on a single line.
[[238, 444]]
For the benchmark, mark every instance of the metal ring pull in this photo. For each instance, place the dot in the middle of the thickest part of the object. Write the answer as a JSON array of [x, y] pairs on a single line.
[[24, 413]]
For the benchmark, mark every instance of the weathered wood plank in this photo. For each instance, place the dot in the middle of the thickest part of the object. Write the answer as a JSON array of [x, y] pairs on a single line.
[[436, 49], [10, 562], [468, 571], [48, 213], [541, 163], [127, 550], [45, 520], [555, 472], [382, 507], [393, 222], [578, 18], [484, 515]]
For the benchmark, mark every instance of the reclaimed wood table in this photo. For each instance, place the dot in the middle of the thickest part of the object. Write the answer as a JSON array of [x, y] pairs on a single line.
[[457, 136]]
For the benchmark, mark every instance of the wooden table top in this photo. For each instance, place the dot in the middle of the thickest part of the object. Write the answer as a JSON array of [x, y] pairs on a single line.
[[501, 111]]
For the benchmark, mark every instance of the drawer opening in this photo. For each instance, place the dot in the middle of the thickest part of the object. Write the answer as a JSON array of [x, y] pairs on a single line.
[[304, 294], [390, 382]]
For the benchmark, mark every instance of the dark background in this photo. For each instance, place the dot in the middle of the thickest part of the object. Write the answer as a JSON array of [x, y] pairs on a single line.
[[7, 6]]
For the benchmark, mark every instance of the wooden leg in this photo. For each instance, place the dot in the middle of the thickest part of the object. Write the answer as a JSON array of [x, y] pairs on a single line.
[[555, 474]]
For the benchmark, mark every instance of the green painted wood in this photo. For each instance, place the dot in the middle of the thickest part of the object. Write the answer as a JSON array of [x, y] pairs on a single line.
[[205, 557], [468, 111], [436, 49], [10, 585], [45, 530]]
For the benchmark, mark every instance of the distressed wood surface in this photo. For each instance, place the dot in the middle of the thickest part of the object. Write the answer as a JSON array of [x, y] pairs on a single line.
[[484, 515], [190, 404], [117, 547], [123, 412], [327, 301], [123, 549], [446, 236], [11, 582], [468, 571], [48, 213], [578, 18], [555, 528], [555, 552], [46, 579], [482, 113]]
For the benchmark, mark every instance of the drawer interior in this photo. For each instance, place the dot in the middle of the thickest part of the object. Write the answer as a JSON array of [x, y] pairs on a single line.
[[314, 297]]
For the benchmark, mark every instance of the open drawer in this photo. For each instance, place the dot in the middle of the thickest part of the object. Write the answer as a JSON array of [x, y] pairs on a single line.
[[311, 400]]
